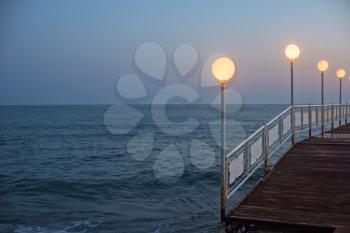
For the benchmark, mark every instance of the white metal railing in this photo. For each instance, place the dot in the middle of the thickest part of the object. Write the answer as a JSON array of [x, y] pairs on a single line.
[[256, 150]]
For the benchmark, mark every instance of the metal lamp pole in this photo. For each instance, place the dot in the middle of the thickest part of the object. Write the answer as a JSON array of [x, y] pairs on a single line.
[[322, 102], [340, 90], [322, 67], [223, 70], [292, 52], [340, 74], [292, 97], [223, 148]]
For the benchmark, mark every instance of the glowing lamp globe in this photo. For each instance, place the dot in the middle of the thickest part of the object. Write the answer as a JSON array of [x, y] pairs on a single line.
[[341, 73], [292, 52], [223, 69], [322, 65]]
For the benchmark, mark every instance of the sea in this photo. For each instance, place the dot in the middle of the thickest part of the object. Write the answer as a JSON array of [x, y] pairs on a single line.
[[116, 169]]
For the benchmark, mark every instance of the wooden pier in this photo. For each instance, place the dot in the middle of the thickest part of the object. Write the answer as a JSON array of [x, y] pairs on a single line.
[[307, 191]]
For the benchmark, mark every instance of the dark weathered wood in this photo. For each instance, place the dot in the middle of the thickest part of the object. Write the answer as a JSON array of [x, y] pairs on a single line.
[[308, 189]]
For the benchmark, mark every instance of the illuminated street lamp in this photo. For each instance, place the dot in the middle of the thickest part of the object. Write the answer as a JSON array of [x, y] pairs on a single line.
[[340, 74], [322, 67], [223, 70], [292, 53]]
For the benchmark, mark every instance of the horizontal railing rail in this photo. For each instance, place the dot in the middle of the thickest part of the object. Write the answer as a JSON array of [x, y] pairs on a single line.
[[255, 151]]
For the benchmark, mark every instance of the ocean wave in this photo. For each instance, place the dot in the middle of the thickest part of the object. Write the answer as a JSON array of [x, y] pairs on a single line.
[[82, 226]]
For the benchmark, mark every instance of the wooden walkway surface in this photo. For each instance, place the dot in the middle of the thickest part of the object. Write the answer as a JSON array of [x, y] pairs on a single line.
[[307, 191]]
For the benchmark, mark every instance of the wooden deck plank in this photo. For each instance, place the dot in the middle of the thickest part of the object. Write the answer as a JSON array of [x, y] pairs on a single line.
[[310, 186]]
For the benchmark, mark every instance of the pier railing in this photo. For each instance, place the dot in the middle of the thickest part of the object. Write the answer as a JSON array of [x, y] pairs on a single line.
[[256, 150]]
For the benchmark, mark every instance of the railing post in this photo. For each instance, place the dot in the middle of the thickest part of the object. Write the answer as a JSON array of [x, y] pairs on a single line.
[[302, 117], [310, 120], [339, 115], [316, 116], [322, 119], [266, 149], [280, 129], [332, 116], [346, 113]]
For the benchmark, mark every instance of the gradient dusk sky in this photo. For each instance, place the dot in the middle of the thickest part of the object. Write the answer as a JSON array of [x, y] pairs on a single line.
[[72, 51]]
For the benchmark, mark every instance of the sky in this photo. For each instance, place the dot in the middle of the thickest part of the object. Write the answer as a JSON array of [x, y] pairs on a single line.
[[74, 52]]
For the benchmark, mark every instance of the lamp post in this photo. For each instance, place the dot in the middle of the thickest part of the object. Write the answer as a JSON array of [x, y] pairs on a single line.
[[223, 70], [340, 74], [292, 53], [322, 67]]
